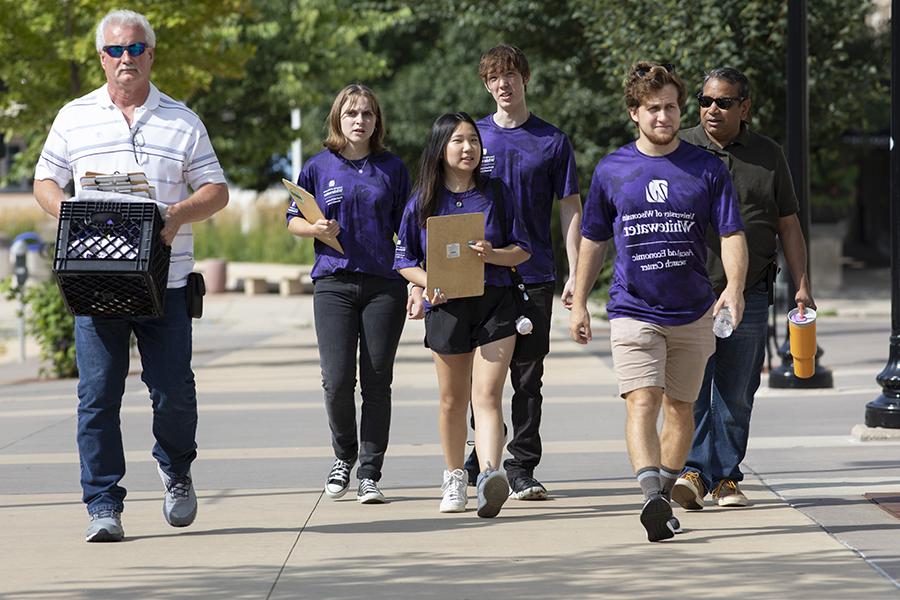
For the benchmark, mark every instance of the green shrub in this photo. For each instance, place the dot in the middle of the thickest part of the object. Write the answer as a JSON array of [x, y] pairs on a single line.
[[268, 240], [51, 324]]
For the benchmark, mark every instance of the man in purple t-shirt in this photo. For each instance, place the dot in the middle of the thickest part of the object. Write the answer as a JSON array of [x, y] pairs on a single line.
[[656, 197], [536, 162]]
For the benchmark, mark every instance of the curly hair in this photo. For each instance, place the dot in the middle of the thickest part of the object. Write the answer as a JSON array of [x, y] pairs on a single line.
[[646, 78]]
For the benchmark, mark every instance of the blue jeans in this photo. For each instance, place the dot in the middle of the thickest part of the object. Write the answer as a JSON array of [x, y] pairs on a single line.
[[722, 411], [102, 353], [365, 312]]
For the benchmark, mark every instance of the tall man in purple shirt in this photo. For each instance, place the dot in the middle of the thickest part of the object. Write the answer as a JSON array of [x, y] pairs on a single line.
[[656, 197], [536, 162]]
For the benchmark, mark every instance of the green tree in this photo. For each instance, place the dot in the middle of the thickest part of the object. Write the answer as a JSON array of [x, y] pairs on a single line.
[[48, 57], [580, 51], [302, 53]]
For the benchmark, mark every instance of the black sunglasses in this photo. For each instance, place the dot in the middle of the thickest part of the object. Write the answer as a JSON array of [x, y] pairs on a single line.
[[135, 49], [642, 71], [724, 102]]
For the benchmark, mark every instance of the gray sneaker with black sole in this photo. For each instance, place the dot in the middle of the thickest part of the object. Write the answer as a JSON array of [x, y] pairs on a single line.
[[105, 526], [180, 500], [493, 490]]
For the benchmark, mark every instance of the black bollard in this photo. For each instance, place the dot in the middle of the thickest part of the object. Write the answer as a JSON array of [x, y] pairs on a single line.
[[884, 411], [798, 160]]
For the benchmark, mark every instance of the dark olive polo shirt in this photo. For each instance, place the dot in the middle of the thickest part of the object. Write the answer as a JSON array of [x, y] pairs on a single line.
[[766, 191]]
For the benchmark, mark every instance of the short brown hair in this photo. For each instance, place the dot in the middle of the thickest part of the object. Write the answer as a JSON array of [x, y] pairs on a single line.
[[336, 140], [501, 59], [645, 78]]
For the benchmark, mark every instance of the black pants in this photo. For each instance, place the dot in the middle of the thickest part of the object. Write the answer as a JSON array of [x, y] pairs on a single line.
[[356, 310], [526, 375]]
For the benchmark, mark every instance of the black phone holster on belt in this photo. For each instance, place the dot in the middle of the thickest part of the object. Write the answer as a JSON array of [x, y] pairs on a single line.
[[771, 274], [196, 289]]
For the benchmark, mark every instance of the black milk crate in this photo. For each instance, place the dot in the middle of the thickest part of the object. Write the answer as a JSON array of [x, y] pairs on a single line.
[[110, 259]]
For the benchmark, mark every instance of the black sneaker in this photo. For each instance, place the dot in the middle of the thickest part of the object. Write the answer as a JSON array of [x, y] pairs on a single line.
[[526, 487], [368, 492], [338, 479], [471, 467], [656, 517]]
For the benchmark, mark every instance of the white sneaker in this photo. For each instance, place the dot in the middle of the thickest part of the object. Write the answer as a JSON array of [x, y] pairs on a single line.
[[454, 497]]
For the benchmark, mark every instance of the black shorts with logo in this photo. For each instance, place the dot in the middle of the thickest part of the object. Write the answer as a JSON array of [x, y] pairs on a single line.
[[463, 324]]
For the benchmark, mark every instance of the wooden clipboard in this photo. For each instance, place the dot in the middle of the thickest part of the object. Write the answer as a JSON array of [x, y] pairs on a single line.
[[450, 264], [310, 210]]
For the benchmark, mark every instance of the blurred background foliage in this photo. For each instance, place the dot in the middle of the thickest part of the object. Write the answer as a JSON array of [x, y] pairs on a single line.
[[244, 64]]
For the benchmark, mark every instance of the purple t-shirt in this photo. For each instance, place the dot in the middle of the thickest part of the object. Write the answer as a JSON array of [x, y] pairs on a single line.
[[658, 208], [536, 162], [412, 244], [366, 205]]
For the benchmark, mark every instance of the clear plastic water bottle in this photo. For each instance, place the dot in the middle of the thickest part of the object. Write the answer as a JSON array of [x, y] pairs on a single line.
[[524, 325], [723, 325]]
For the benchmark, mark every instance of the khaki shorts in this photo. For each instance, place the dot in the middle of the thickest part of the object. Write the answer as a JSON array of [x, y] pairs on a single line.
[[672, 357]]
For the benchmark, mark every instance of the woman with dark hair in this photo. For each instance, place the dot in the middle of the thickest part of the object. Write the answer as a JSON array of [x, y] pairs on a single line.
[[359, 300], [471, 339]]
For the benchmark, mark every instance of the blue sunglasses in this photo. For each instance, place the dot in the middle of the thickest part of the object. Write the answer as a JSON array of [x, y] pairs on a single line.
[[135, 49]]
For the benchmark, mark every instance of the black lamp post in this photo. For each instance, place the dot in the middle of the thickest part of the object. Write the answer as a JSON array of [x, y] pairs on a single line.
[[884, 411], [798, 159]]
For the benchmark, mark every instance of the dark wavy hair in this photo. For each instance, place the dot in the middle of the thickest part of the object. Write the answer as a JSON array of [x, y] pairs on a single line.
[[430, 182]]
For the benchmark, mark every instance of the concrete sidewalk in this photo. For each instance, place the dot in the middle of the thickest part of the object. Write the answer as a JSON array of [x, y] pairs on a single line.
[[266, 531]]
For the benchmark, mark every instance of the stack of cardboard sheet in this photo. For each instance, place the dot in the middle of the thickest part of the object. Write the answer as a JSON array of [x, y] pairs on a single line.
[[134, 184]]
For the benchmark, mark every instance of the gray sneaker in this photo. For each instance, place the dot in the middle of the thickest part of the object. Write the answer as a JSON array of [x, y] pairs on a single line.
[[180, 500], [493, 490], [106, 526]]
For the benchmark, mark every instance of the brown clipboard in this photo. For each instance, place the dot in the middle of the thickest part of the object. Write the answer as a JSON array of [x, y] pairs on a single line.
[[450, 264], [310, 210]]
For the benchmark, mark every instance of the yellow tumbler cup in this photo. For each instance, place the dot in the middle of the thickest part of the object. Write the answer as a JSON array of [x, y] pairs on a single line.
[[803, 341]]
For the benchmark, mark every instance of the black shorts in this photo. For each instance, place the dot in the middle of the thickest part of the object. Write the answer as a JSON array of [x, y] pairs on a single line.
[[459, 326]]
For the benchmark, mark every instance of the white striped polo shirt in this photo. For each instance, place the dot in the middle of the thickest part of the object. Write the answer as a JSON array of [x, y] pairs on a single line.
[[167, 141]]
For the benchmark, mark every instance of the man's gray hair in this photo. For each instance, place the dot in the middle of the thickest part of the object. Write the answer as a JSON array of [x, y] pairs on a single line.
[[732, 76], [124, 17]]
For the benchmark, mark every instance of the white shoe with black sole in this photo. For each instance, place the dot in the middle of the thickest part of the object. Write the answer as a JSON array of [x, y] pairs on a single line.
[[338, 479]]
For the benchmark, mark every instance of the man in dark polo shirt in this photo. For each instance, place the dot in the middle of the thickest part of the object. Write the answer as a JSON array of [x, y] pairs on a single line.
[[769, 209]]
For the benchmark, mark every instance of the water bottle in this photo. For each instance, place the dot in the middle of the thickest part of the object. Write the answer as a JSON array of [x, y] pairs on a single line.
[[524, 325], [723, 325]]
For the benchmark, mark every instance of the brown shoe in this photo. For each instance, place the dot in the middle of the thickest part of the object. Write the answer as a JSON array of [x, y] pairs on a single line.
[[689, 491], [727, 493]]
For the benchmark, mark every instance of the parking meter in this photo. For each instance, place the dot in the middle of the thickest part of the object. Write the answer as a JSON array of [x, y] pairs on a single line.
[[18, 255]]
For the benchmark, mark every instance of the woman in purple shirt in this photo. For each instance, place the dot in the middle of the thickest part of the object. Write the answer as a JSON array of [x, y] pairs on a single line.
[[471, 339], [359, 300]]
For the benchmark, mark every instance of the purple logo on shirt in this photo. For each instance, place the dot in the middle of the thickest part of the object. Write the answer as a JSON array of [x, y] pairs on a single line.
[[657, 191]]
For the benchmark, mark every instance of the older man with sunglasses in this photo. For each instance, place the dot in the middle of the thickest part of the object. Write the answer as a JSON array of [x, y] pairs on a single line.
[[125, 126], [769, 210]]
